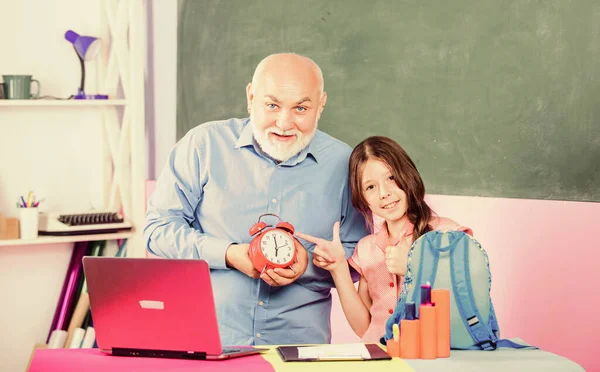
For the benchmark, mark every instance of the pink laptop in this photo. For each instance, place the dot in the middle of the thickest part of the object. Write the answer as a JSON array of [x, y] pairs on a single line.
[[155, 308]]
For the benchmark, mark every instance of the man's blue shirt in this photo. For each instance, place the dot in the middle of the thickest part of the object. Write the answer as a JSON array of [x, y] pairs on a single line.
[[215, 185]]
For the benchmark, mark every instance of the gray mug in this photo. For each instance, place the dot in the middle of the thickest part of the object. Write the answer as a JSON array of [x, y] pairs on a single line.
[[1, 90], [19, 87]]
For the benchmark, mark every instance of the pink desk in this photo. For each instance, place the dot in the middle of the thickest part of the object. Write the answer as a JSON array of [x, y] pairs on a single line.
[[91, 360], [501, 360]]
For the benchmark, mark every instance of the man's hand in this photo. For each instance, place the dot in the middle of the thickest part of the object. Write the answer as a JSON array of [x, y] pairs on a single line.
[[280, 277], [396, 258], [237, 257], [328, 255]]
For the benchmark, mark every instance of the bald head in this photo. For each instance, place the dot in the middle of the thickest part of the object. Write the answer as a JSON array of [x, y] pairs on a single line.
[[289, 64], [285, 102]]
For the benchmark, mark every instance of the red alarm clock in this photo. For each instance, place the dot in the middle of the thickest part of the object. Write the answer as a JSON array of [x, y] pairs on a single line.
[[272, 247]]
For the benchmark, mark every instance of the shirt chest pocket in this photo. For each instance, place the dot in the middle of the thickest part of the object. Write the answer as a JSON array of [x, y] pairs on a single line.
[[314, 214], [230, 215]]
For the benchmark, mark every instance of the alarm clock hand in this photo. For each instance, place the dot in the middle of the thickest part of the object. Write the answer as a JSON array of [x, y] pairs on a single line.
[[276, 246], [284, 276]]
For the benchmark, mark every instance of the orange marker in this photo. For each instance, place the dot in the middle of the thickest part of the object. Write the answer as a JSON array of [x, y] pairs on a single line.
[[409, 338], [393, 348], [428, 324], [441, 299]]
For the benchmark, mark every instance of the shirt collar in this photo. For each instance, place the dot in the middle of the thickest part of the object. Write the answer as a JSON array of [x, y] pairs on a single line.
[[246, 139], [298, 158], [382, 238]]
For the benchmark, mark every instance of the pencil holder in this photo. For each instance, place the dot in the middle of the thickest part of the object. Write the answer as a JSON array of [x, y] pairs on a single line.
[[28, 226], [393, 348], [427, 332], [409, 339], [441, 298]]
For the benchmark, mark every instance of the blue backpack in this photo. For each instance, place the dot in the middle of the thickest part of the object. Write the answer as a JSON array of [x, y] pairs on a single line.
[[455, 261]]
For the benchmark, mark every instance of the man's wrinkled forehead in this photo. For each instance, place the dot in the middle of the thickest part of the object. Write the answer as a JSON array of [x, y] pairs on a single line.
[[284, 69], [273, 98]]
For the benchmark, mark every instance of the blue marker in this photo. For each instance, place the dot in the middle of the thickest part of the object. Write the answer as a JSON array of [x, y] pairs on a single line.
[[411, 311]]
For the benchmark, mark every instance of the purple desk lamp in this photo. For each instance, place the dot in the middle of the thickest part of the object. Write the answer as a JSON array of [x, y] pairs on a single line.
[[86, 47]]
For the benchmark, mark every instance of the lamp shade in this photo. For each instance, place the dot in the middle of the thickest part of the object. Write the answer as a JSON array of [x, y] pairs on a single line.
[[87, 47]]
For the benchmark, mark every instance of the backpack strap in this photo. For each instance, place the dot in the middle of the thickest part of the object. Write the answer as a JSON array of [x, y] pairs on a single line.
[[463, 293], [515, 343], [428, 264], [493, 321]]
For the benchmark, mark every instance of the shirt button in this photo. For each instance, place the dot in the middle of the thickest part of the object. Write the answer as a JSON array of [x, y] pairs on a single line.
[[391, 284], [391, 311], [274, 201], [260, 303], [258, 335]]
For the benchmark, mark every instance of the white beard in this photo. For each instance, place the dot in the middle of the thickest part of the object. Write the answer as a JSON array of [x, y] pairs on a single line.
[[282, 151]]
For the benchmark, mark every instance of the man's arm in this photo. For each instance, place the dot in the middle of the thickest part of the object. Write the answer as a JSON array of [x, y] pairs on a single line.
[[171, 209]]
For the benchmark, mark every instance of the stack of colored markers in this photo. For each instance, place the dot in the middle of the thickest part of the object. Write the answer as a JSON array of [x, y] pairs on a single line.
[[427, 337], [31, 202]]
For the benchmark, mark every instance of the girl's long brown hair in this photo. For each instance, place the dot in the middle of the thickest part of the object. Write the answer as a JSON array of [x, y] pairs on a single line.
[[405, 174]]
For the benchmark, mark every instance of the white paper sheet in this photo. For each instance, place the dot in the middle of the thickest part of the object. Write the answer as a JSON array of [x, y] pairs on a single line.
[[335, 351]]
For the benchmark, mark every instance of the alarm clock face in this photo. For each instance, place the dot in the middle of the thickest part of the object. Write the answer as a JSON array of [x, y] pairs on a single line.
[[277, 246]]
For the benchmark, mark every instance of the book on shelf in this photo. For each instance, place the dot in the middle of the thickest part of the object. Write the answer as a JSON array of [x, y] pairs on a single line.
[[73, 305], [65, 303], [89, 339], [81, 299]]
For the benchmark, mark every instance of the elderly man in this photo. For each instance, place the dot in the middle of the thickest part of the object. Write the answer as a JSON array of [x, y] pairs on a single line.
[[223, 175]]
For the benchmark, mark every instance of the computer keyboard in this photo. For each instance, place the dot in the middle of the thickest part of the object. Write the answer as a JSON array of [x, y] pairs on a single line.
[[90, 218], [93, 222]]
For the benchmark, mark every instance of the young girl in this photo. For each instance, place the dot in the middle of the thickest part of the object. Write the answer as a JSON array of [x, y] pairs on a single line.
[[385, 183]]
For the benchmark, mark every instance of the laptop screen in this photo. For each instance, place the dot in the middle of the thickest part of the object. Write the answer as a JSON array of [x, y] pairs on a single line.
[[152, 304]]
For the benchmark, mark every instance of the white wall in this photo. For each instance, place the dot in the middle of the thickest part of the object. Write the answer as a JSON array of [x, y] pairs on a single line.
[[49, 150], [161, 91], [56, 151]]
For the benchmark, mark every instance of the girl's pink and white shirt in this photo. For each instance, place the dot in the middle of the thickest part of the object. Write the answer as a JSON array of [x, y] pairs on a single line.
[[384, 287]]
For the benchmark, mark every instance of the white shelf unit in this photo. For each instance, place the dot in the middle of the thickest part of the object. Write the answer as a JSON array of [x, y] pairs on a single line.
[[66, 239], [121, 70]]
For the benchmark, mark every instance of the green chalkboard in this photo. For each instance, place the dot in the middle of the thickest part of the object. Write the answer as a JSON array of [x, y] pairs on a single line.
[[490, 98]]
